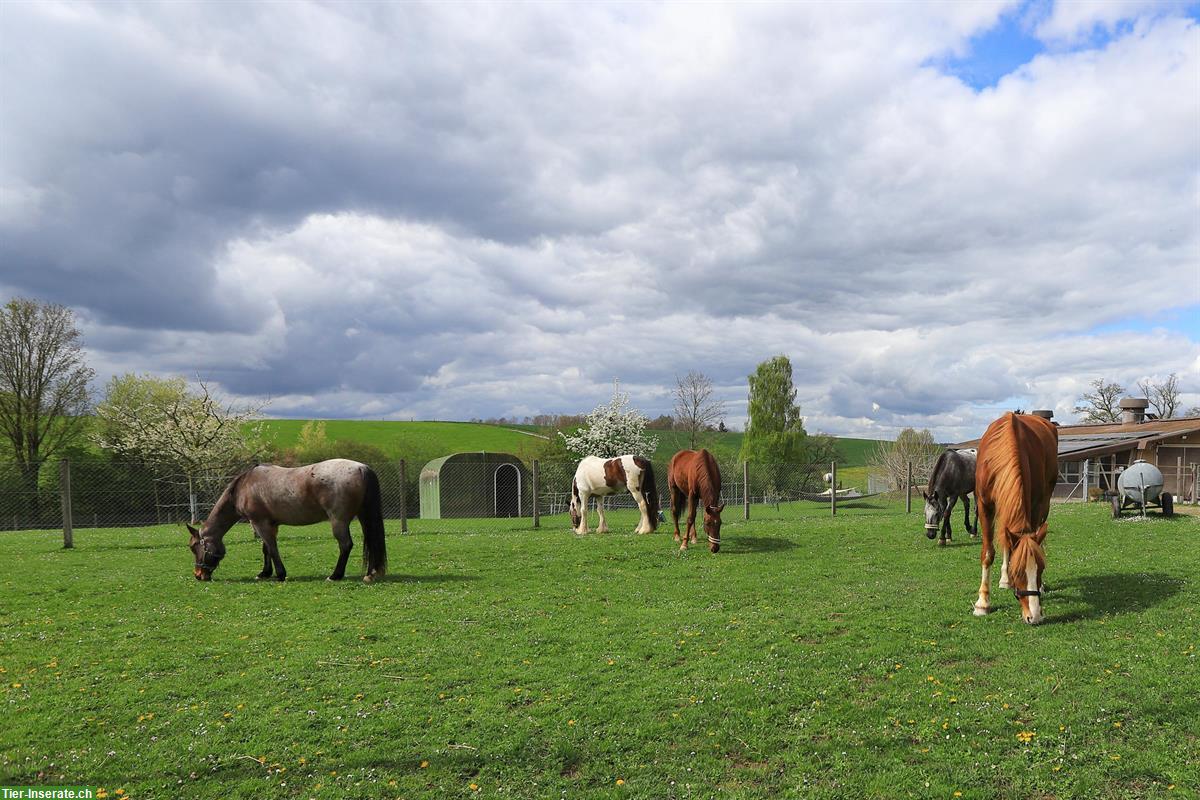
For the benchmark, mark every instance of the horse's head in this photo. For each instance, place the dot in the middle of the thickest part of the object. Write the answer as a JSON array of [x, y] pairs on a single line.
[[205, 560], [935, 507], [1026, 564], [712, 526]]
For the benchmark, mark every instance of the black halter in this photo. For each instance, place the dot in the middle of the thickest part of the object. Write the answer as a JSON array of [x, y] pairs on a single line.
[[208, 561], [1027, 593]]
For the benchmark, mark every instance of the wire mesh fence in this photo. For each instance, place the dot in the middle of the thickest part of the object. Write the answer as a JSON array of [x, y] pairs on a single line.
[[100, 493]]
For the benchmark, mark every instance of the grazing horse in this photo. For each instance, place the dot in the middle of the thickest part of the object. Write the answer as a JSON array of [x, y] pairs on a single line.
[[952, 480], [693, 477], [1016, 472], [600, 477], [336, 490]]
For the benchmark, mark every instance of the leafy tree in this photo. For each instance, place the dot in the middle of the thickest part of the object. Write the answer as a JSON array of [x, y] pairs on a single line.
[[165, 421], [1102, 404], [612, 429], [911, 447], [696, 410], [43, 383], [1163, 395], [775, 431]]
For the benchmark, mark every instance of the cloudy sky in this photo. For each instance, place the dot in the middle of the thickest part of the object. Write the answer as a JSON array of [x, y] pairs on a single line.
[[939, 211]]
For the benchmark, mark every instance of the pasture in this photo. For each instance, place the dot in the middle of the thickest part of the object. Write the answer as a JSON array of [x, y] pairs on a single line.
[[811, 657]]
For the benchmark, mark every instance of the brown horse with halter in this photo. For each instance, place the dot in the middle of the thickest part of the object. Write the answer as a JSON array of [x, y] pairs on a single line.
[[693, 477], [268, 496], [1015, 473]]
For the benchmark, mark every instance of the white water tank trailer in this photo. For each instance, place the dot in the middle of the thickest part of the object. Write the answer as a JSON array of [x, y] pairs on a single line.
[[1140, 486]]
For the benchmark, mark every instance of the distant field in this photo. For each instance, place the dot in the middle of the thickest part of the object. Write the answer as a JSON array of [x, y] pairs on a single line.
[[419, 442]]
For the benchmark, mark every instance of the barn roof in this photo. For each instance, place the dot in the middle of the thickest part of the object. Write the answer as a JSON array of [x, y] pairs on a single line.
[[1077, 442]]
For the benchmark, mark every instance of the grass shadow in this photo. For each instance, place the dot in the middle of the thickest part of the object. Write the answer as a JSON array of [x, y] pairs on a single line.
[[755, 544], [1114, 593], [391, 578]]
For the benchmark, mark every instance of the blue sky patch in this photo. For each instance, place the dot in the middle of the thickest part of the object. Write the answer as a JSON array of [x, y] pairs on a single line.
[[1185, 320]]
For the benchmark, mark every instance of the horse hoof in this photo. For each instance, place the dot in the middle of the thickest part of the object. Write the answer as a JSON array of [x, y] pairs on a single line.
[[368, 578], [980, 612], [334, 578], [262, 577], [941, 542], [281, 578]]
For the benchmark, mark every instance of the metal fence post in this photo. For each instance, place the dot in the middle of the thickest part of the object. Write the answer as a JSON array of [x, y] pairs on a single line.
[[64, 488], [908, 490], [537, 519], [833, 489], [403, 497], [746, 490]]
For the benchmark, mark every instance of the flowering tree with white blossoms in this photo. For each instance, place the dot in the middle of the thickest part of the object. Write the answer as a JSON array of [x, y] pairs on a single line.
[[612, 429]]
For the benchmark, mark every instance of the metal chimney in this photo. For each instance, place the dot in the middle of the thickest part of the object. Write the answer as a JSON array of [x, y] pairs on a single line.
[[1044, 413], [1133, 410]]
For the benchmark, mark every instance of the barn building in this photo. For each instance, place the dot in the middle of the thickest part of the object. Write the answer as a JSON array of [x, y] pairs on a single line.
[[475, 485], [1091, 455]]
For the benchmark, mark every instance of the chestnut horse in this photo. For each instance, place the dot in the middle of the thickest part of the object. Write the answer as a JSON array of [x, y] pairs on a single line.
[[600, 477], [693, 477], [336, 490], [1015, 473]]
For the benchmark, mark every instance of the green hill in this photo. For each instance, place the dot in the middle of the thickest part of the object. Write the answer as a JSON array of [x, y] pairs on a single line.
[[419, 442]]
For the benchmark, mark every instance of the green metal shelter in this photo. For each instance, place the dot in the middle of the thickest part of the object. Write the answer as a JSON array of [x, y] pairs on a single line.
[[476, 485]]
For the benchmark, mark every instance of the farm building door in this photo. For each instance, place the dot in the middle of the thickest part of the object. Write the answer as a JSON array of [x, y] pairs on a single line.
[[507, 483]]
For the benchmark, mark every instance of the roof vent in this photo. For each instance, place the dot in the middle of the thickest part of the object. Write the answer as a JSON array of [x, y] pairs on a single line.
[[1133, 410], [1044, 413]]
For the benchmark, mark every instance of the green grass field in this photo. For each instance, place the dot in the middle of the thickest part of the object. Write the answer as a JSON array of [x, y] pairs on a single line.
[[420, 442], [811, 657]]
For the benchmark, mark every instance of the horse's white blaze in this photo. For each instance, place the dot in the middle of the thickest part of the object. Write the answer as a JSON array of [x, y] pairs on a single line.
[[1035, 602]]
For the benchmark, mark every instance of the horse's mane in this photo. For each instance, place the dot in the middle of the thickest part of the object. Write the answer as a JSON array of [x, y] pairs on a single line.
[[230, 496], [937, 468], [1008, 467]]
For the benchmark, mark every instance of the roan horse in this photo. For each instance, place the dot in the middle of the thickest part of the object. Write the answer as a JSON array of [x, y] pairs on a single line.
[[1016, 472], [600, 477], [336, 490], [693, 477], [952, 480]]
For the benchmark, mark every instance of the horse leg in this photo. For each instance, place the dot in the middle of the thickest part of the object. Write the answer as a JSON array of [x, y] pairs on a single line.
[[268, 567], [676, 507], [341, 532], [269, 532], [947, 535], [644, 519], [967, 516], [986, 555], [693, 505], [1004, 584], [584, 498], [600, 510]]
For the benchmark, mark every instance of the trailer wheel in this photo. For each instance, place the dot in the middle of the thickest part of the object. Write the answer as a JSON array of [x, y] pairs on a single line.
[[1168, 504], [1116, 506]]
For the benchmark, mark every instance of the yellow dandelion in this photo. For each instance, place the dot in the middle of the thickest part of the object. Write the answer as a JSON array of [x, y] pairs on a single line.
[[570, 722], [474, 787], [18, 686], [958, 794], [1116, 724], [424, 764], [228, 715], [620, 781], [1115, 757]]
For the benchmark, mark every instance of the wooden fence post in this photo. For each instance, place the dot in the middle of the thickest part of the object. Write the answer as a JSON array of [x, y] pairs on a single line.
[[64, 488], [908, 490], [833, 489], [746, 490], [403, 497], [537, 519]]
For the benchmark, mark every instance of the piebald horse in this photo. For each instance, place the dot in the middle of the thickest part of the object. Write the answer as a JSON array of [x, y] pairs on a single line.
[[693, 478], [1016, 471], [600, 477], [336, 490], [953, 479]]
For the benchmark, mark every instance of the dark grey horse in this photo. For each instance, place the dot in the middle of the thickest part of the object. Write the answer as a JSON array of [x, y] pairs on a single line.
[[953, 479]]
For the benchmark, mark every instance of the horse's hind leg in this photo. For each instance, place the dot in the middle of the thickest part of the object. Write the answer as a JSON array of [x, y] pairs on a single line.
[[947, 535], [677, 501], [967, 516], [341, 532], [603, 527], [693, 503]]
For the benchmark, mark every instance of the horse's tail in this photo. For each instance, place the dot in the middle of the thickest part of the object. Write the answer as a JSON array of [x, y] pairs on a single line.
[[370, 516], [649, 490]]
